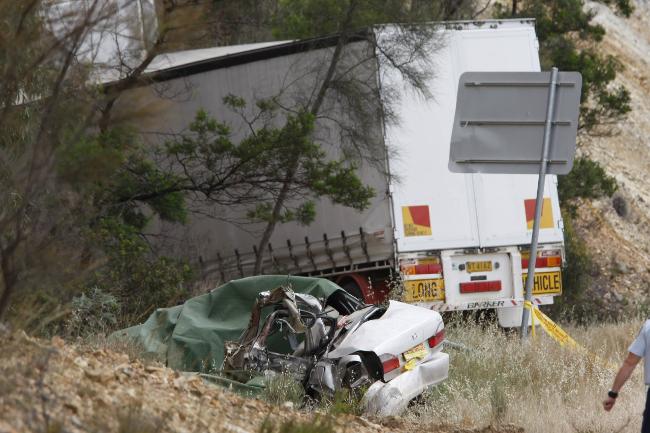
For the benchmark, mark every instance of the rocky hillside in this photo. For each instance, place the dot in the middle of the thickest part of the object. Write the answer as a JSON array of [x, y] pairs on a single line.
[[617, 230]]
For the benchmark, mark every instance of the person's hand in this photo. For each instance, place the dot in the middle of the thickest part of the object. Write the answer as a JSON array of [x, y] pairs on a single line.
[[608, 403]]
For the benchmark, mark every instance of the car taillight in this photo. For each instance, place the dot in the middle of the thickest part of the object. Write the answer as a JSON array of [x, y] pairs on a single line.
[[480, 287], [437, 339], [390, 364]]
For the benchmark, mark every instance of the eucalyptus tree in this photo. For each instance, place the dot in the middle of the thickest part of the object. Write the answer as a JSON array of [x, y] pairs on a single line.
[[61, 156], [345, 96]]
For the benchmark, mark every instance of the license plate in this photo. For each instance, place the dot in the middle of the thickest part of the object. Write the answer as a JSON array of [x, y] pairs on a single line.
[[485, 266], [418, 352], [546, 283], [424, 290]]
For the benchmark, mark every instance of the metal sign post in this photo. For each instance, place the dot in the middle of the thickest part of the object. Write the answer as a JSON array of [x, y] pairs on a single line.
[[517, 123], [532, 258]]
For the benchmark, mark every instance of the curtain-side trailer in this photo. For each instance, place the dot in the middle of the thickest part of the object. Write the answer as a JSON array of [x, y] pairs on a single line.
[[457, 241]]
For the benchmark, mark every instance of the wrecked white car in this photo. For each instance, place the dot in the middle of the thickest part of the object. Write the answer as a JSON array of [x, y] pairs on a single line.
[[394, 352]]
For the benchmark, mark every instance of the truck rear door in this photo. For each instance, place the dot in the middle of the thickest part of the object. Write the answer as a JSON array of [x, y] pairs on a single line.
[[435, 209], [505, 204]]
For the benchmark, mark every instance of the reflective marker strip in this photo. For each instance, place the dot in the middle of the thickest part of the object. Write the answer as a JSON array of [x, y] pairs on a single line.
[[480, 286]]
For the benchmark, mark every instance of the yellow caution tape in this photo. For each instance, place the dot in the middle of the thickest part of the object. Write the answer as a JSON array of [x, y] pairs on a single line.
[[560, 335], [551, 328], [529, 306]]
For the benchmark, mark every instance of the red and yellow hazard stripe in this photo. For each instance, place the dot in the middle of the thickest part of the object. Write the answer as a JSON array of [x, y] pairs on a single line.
[[416, 220], [547, 214]]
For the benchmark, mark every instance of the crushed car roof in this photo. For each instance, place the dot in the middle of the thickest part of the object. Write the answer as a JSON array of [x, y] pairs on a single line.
[[190, 337]]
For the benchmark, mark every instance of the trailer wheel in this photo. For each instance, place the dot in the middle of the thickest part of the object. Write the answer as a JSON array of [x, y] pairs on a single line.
[[352, 288]]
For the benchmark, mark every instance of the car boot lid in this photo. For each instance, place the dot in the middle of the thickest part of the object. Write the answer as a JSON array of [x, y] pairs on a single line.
[[400, 328]]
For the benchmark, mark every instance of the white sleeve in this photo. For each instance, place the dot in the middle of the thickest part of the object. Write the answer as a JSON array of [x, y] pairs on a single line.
[[638, 345]]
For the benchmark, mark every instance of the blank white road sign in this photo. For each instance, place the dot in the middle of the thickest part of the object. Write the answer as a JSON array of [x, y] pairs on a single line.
[[499, 122]]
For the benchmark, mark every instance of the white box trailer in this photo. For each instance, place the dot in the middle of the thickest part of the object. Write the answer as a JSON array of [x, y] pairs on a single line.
[[479, 224], [458, 241]]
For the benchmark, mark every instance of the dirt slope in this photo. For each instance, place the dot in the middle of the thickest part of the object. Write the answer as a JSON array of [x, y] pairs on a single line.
[[621, 243], [48, 386]]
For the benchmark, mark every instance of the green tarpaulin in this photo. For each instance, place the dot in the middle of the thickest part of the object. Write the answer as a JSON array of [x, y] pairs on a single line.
[[190, 337]]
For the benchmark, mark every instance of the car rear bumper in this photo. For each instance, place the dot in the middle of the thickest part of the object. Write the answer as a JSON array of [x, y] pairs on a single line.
[[391, 398]]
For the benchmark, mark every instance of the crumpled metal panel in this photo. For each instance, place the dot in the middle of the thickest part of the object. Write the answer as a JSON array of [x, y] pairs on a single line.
[[401, 327], [386, 399]]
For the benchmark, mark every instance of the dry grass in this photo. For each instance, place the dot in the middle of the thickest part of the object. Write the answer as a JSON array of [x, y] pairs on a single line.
[[283, 388], [540, 386]]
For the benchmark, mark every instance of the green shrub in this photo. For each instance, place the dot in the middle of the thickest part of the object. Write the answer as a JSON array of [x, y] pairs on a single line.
[[576, 278], [141, 280], [347, 402], [93, 312], [282, 388], [587, 179], [570, 40]]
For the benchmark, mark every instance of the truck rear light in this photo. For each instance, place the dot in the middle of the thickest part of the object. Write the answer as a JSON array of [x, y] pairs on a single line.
[[390, 364], [437, 339], [544, 262], [432, 268], [553, 262], [421, 268], [480, 286]]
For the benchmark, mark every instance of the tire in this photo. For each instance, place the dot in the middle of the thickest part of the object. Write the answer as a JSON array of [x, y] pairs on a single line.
[[355, 373]]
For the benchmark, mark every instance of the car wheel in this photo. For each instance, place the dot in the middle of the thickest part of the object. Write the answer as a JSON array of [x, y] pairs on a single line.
[[356, 376]]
